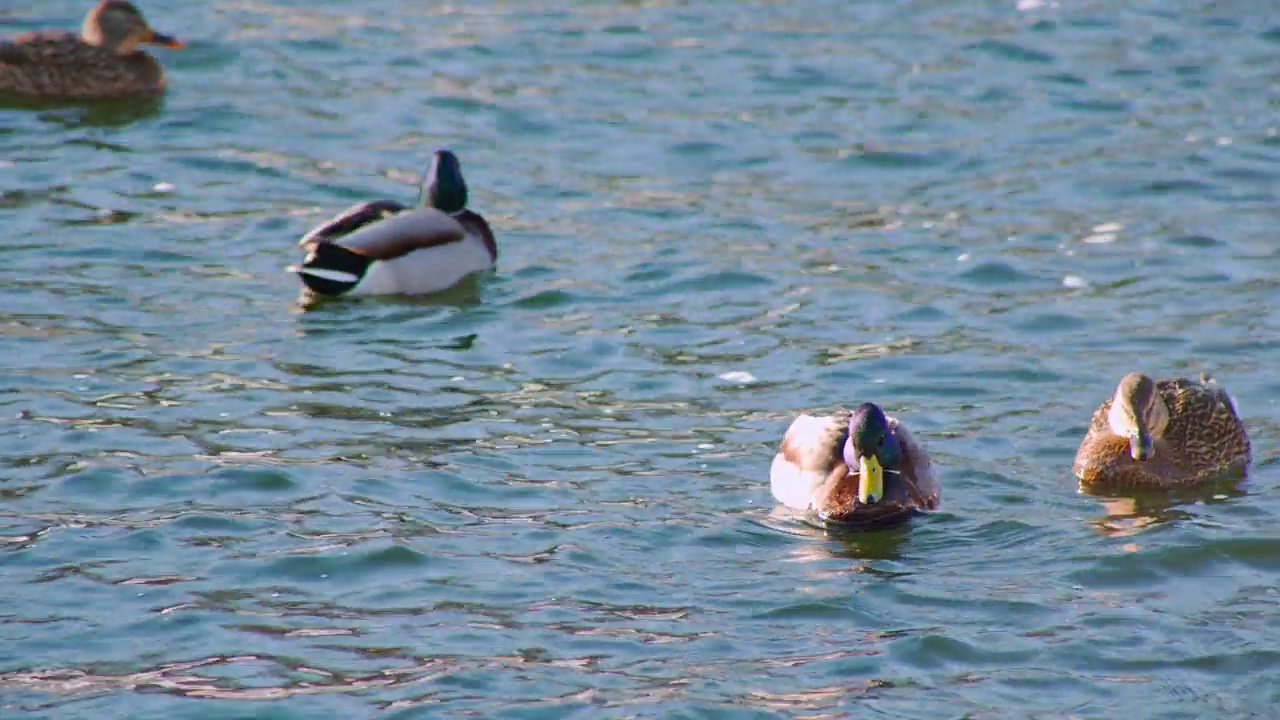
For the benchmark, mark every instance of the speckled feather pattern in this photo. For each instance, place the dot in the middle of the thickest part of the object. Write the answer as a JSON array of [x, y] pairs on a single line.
[[1204, 438], [61, 65]]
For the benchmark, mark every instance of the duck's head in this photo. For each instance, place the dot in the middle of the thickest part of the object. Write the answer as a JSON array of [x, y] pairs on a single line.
[[873, 492], [1138, 413], [119, 26], [872, 449], [443, 188]]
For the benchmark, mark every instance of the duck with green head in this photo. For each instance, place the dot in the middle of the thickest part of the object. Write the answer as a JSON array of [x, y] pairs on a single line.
[[858, 469], [102, 62], [384, 247], [1160, 434]]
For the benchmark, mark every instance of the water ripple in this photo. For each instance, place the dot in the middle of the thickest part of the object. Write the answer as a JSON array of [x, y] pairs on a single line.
[[545, 493]]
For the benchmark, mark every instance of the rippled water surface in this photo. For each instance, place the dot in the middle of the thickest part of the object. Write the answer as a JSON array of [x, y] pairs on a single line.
[[545, 494]]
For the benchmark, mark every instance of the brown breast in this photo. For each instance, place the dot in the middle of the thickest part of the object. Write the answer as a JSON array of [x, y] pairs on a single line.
[[1108, 462], [837, 498]]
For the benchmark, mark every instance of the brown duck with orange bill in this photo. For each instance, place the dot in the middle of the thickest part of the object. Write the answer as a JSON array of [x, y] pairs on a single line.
[[1162, 434], [102, 62]]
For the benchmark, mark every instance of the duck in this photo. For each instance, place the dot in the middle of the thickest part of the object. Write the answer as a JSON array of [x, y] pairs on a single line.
[[859, 468], [102, 62], [383, 247], [1158, 434]]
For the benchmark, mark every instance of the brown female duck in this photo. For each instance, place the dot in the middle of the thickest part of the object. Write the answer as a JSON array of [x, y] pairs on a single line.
[[103, 61], [859, 468], [1162, 434]]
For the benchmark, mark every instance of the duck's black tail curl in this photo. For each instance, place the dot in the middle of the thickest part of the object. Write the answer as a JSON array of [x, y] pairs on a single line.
[[331, 269]]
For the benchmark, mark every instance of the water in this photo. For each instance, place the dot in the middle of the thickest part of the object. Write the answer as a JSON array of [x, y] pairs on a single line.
[[545, 495]]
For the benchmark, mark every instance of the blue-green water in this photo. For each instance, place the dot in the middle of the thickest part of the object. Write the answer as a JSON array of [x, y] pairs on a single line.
[[546, 495]]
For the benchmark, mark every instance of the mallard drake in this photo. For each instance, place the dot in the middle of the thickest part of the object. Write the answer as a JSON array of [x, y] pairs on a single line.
[[855, 468], [102, 62], [383, 247], [1162, 433]]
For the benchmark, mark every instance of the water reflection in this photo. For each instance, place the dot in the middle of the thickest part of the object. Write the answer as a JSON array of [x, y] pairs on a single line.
[[1137, 511], [820, 541], [86, 113], [194, 679], [822, 701], [465, 294]]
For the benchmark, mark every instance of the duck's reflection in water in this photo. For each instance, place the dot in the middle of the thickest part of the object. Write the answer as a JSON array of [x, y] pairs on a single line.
[[1136, 511]]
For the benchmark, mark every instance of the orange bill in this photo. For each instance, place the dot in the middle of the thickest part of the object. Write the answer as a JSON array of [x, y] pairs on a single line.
[[154, 38]]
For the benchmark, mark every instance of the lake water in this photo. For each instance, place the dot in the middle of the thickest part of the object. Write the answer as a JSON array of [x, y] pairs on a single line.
[[545, 495]]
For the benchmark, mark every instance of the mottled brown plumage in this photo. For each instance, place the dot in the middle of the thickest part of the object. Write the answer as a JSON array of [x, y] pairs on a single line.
[[1203, 437], [102, 62]]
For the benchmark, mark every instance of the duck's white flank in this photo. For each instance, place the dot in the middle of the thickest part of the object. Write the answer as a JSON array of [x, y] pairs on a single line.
[[426, 271], [793, 480]]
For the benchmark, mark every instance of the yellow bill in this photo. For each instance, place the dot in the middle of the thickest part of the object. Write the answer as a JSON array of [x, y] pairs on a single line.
[[870, 480]]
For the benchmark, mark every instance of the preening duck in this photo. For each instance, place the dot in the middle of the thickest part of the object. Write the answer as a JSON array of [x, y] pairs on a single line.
[[384, 247]]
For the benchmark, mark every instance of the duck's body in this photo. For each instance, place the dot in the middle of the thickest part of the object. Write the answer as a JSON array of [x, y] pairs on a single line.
[[384, 247], [1162, 434], [821, 463], [102, 62]]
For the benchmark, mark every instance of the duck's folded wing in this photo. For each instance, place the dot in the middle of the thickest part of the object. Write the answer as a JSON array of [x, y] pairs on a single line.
[[401, 234], [925, 489], [811, 447], [1204, 423], [352, 219]]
